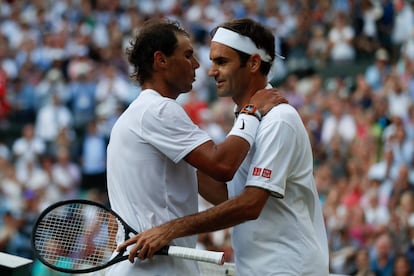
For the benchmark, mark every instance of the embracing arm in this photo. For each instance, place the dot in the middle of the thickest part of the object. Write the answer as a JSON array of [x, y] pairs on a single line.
[[221, 161], [246, 206]]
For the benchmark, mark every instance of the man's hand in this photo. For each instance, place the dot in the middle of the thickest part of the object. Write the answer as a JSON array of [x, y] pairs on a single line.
[[147, 243], [266, 99]]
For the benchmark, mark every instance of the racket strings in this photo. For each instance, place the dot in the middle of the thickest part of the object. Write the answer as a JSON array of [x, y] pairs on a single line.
[[77, 236]]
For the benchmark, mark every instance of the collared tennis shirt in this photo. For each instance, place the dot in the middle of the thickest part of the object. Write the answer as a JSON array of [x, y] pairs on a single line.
[[149, 183], [289, 236]]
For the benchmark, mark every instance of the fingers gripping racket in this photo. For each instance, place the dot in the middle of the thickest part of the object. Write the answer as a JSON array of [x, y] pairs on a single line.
[[79, 236]]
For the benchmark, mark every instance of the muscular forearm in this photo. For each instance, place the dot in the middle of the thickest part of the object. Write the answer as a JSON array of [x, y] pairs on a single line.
[[245, 207], [219, 161]]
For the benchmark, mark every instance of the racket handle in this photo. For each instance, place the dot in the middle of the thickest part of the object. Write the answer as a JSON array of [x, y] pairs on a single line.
[[196, 254]]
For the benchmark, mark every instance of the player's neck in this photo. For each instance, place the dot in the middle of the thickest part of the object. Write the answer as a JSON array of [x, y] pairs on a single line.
[[160, 88], [251, 89]]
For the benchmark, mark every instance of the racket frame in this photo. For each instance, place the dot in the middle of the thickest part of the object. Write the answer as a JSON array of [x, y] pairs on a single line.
[[215, 257]]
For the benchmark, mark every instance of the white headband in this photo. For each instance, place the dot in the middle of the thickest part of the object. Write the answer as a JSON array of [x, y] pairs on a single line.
[[240, 42]]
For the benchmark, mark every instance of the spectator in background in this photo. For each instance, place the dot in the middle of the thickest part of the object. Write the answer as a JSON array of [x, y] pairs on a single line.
[[402, 266], [404, 66], [368, 13], [66, 174], [42, 54], [377, 215], [397, 95], [28, 147], [290, 90], [51, 119], [362, 267], [19, 244], [403, 25], [408, 121], [341, 36], [376, 73], [23, 101], [317, 48], [8, 66], [5, 154], [380, 113], [403, 211], [388, 134], [11, 189], [4, 104], [112, 90], [385, 24], [408, 248], [379, 174], [52, 83], [82, 98], [338, 122], [93, 160], [363, 93], [402, 150], [80, 63], [297, 43], [382, 256], [8, 230]]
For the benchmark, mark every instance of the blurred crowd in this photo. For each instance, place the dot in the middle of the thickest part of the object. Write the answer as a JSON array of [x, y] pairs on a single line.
[[64, 80]]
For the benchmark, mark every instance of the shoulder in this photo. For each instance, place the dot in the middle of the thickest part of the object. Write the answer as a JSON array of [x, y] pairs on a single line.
[[282, 112], [282, 116], [152, 101]]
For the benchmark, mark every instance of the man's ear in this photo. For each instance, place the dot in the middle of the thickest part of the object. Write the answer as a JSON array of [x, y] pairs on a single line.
[[160, 60], [254, 62]]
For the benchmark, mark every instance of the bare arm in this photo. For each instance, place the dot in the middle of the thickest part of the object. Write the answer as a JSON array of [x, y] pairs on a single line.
[[211, 190], [222, 160], [219, 161], [246, 206]]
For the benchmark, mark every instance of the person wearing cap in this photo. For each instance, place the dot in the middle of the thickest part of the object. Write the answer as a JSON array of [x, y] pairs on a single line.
[[377, 72], [154, 147], [272, 200]]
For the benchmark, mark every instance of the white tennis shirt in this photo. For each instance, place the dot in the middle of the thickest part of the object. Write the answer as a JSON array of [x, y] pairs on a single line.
[[289, 237], [149, 183]]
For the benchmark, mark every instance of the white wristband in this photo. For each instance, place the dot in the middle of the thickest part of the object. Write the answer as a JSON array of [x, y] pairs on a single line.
[[245, 127]]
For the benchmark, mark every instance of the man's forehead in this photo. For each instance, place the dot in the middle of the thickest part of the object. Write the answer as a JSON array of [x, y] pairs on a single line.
[[220, 50]]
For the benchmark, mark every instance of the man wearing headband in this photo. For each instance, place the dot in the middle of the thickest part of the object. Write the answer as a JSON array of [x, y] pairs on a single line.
[[272, 201]]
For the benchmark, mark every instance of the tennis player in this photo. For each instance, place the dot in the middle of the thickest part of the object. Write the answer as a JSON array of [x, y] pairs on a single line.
[[274, 205], [154, 147]]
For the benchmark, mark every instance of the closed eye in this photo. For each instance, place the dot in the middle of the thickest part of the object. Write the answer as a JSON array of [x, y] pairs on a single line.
[[189, 54]]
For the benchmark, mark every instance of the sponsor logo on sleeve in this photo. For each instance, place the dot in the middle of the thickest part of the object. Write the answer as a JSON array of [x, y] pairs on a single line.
[[266, 173], [257, 171]]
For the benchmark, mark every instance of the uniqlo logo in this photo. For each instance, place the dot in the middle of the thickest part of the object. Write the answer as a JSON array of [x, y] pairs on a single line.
[[267, 173], [257, 171]]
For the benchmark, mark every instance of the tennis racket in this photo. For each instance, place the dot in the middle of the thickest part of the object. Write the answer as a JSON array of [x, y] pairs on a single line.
[[79, 236]]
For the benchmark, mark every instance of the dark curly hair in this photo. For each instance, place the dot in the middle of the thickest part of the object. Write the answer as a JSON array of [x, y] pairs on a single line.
[[154, 35]]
